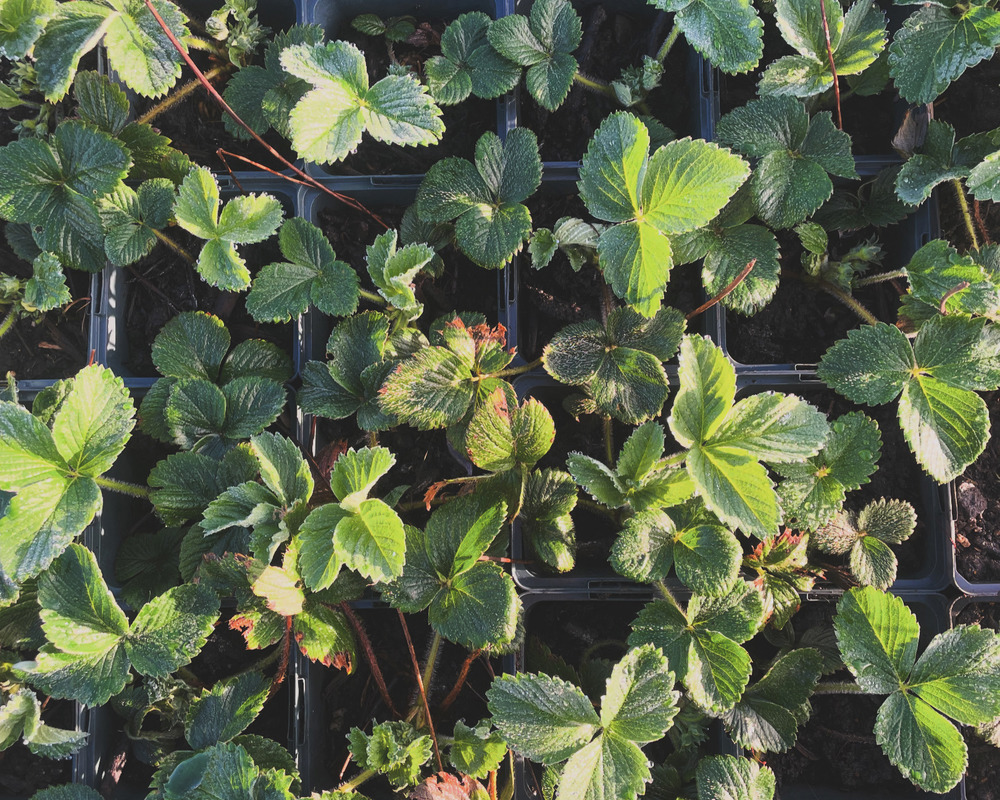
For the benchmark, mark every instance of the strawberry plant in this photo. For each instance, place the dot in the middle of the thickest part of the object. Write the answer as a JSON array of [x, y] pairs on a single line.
[[296, 505]]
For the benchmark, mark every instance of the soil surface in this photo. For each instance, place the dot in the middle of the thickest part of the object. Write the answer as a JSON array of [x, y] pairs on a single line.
[[982, 778], [163, 285], [355, 700], [54, 344], [977, 529], [612, 40]]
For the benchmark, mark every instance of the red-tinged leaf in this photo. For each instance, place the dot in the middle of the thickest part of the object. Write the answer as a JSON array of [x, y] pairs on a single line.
[[444, 786]]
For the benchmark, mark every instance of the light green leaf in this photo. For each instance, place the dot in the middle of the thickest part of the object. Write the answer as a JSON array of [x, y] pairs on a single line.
[[46, 289], [773, 427], [735, 486], [325, 636], [476, 751], [872, 365], [957, 675], [877, 636], [707, 391], [543, 718], [432, 389], [639, 703], [733, 778], [372, 541]]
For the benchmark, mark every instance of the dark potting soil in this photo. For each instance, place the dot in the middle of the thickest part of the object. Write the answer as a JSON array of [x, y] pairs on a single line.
[[555, 296], [354, 700], [612, 40], [836, 749], [977, 528], [801, 322], [162, 285], [53, 345], [464, 123], [982, 778], [22, 773], [462, 287]]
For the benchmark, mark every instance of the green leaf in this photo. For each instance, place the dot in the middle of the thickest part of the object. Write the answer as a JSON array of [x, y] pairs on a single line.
[[356, 472], [503, 435], [280, 590], [730, 35], [680, 188], [328, 122], [432, 389], [877, 636], [872, 365], [730, 251], [936, 270], [191, 345], [282, 468], [773, 427], [984, 179], [243, 220], [170, 630], [69, 791], [147, 564], [372, 541], [318, 561], [99, 101], [925, 747], [607, 767], [733, 778], [639, 704], [602, 484], [735, 486], [478, 609], [325, 636], [22, 21], [770, 712], [46, 289], [957, 675], [936, 45], [707, 391], [392, 271], [549, 497], [468, 64], [476, 751], [545, 719], [225, 711], [130, 219], [707, 559], [394, 749]]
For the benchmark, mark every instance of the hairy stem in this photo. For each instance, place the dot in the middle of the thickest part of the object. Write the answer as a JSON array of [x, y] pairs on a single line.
[[356, 781], [420, 682], [368, 650], [506, 373], [175, 97], [662, 588], [881, 277], [595, 85], [725, 292], [609, 440], [664, 51], [286, 651], [948, 295], [236, 118], [432, 657], [963, 206], [122, 487], [463, 673], [371, 297], [8, 321], [848, 301], [174, 246], [833, 66], [205, 45]]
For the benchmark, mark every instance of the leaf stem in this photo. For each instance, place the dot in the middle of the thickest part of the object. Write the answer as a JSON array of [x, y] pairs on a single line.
[[725, 292], [205, 45], [595, 85], [833, 66], [174, 246], [371, 297], [670, 461], [420, 681], [356, 781], [366, 648], [463, 673], [664, 51], [122, 487], [609, 440], [506, 373], [963, 206], [881, 277], [662, 588], [838, 687], [175, 97], [8, 321], [849, 301], [947, 295], [213, 92]]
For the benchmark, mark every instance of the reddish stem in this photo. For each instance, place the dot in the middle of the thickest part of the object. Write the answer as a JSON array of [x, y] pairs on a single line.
[[829, 56], [236, 118], [951, 292], [286, 649], [366, 647], [463, 673], [725, 292], [420, 687]]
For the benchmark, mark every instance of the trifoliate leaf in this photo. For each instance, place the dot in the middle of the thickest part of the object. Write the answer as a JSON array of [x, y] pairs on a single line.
[[243, 220], [682, 186], [131, 218], [312, 274], [485, 199], [544, 43], [621, 363], [503, 435], [936, 271], [328, 122], [940, 159], [791, 180], [46, 288], [468, 64]]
